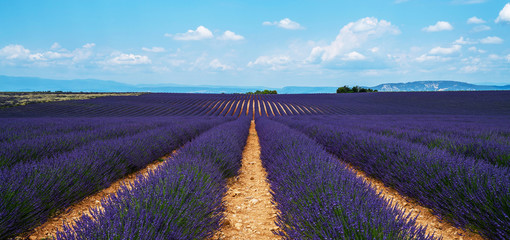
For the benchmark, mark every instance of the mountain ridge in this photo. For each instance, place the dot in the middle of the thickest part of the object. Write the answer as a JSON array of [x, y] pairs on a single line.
[[29, 84]]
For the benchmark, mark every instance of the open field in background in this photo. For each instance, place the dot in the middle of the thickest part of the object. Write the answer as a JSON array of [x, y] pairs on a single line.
[[448, 152], [235, 105], [11, 99]]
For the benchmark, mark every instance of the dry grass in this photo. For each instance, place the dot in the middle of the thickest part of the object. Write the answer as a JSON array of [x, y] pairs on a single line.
[[11, 99]]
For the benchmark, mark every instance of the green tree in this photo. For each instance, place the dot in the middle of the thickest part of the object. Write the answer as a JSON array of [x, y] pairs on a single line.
[[355, 89]]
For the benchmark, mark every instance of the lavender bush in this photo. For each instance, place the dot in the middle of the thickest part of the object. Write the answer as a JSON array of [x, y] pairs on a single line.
[[469, 193], [180, 200], [320, 198], [31, 192]]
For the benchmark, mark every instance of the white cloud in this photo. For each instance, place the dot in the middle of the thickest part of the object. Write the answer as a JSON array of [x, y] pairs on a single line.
[[374, 49], [284, 23], [475, 20], [274, 62], [354, 56], [20, 53], [352, 36], [481, 28], [154, 49], [504, 14], [491, 40], [463, 41], [427, 58], [128, 59], [89, 45], [14, 51], [474, 49], [55, 46], [229, 35], [192, 35], [216, 64], [55, 55], [494, 57], [445, 51], [508, 57], [84, 53], [469, 69], [439, 26]]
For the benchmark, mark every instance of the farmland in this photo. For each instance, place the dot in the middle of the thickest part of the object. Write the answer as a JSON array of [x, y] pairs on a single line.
[[10, 99], [447, 153]]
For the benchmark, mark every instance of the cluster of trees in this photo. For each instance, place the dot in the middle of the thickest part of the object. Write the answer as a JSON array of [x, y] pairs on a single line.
[[355, 89], [263, 92]]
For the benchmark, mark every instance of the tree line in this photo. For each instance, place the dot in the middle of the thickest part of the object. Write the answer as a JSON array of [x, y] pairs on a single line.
[[263, 92], [355, 89]]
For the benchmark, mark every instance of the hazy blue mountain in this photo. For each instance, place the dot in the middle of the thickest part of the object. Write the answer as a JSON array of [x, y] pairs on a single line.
[[435, 86], [28, 84]]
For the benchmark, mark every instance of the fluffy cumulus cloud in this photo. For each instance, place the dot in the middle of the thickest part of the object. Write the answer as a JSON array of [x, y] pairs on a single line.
[[284, 23], [491, 40], [475, 20], [57, 54], [352, 36], [200, 33], [445, 51], [439, 54], [439, 26], [354, 56], [273, 62], [14, 51], [504, 14], [128, 59], [216, 64], [229, 35], [154, 49]]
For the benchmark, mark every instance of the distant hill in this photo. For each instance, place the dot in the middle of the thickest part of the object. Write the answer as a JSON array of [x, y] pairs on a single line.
[[29, 84], [435, 86]]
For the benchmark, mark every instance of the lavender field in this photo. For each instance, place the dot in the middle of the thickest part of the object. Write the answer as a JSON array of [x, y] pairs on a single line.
[[447, 151]]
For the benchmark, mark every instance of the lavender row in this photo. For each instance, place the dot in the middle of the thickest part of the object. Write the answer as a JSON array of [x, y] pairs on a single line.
[[492, 152], [458, 103], [180, 200], [320, 198], [487, 128], [22, 128], [454, 135], [32, 192], [469, 193], [39, 147]]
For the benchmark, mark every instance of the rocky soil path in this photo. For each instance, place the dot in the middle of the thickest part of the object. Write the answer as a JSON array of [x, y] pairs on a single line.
[[249, 214]]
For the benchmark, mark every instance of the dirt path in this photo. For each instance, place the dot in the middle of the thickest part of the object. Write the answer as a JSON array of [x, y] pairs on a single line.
[[50, 227], [425, 216], [249, 212]]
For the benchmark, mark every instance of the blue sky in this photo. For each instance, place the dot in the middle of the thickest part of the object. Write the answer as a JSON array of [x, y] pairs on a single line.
[[257, 43]]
